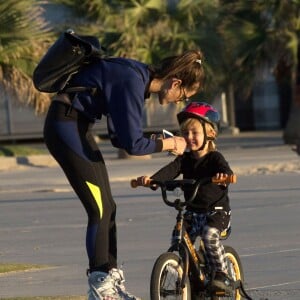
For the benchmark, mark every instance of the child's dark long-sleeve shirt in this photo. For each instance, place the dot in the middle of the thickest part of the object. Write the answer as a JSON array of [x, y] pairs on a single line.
[[210, 195]]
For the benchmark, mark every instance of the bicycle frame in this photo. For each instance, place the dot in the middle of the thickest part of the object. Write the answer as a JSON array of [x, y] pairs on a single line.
[[183, 243]]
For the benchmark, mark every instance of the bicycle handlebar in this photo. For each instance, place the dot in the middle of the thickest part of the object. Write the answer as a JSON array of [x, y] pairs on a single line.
[[171, 185], [230, 179]]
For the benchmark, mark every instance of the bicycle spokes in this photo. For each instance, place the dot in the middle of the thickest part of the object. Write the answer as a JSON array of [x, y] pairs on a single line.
[[170, 285]]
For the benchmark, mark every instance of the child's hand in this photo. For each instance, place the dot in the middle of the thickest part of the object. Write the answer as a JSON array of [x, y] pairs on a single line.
[[221, 176]]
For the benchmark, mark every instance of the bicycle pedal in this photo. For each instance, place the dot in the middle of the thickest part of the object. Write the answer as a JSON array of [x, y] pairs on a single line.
[[220, 292]]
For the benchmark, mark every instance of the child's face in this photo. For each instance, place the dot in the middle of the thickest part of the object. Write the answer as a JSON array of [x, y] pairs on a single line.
[[193, 135]]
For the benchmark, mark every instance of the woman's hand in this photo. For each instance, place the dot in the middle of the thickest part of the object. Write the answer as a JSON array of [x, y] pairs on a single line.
[[174, 144], [179, 145]]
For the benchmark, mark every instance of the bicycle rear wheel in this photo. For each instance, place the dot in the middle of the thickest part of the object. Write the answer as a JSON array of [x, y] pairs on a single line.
[[166, 279]]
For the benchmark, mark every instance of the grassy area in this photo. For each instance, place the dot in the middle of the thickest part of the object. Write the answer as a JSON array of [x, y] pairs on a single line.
[[5, 268], [21, 150], [48, 298]]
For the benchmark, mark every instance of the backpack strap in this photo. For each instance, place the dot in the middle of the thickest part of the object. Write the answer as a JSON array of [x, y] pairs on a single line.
[[75, 89], [93, 90]]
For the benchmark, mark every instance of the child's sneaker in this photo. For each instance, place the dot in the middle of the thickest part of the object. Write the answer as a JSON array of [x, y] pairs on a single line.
[[109, 286]]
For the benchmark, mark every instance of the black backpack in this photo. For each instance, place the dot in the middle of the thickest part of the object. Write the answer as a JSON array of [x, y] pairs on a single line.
[[63, 59]]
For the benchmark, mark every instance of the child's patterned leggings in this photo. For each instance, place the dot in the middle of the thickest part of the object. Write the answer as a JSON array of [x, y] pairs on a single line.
[[211, 238], [214, 249]]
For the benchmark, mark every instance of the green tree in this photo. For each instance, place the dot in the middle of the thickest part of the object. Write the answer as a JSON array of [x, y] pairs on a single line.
[[146, 29], [22, 38], [244, 33], [235, 36], [290, 60], [263, 31]]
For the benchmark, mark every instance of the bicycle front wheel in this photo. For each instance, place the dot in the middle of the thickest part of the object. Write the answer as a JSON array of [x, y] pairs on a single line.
[[166, 279]]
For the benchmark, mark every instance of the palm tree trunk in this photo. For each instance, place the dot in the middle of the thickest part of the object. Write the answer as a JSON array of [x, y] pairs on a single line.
[[291, 134], [231, 109]]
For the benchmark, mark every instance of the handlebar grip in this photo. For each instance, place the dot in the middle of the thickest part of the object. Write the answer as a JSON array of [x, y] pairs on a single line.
[[230, 179], [134, 183], [141, 181]]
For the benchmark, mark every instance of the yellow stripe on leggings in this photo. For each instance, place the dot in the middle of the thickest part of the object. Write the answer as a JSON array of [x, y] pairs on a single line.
[[96, 192]]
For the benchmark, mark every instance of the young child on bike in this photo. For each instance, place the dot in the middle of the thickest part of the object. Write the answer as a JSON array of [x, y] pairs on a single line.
[[199, 126]]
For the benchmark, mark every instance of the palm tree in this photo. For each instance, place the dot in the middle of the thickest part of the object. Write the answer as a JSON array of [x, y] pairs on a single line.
[[242, 29], [146, 29], [23, 35], [265, 31], [290, 60]]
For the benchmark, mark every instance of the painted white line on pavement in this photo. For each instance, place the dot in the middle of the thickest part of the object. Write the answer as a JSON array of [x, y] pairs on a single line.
[[273, 285], [271, 252]]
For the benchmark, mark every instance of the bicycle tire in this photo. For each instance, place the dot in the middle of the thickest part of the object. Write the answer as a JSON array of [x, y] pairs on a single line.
[[166, 277], [235, 271]]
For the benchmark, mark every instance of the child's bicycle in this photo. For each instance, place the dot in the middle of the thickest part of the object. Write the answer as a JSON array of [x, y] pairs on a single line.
[[182, 272]]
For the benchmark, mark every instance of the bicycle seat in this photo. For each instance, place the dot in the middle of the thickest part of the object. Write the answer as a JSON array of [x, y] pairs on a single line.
[[225, 233]]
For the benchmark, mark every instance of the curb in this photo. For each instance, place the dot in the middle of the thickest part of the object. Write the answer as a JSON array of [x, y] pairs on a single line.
[[111, 155], [47, 161], [8, 163]]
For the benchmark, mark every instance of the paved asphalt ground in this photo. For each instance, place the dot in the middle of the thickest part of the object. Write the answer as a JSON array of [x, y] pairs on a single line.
[[21, 198]]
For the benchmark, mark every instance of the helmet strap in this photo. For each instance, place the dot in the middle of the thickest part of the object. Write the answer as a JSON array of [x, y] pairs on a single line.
[[205, 137]]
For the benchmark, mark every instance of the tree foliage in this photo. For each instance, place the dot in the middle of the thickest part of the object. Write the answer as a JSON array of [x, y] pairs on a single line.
[[236, 36], [22, 36]]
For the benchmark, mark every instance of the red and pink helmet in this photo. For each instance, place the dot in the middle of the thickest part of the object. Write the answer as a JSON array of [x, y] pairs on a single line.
[[201, 111], [205, 113]]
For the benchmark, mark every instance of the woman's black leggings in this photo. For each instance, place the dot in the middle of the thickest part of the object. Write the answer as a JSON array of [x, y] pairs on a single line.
[[69, 139]]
